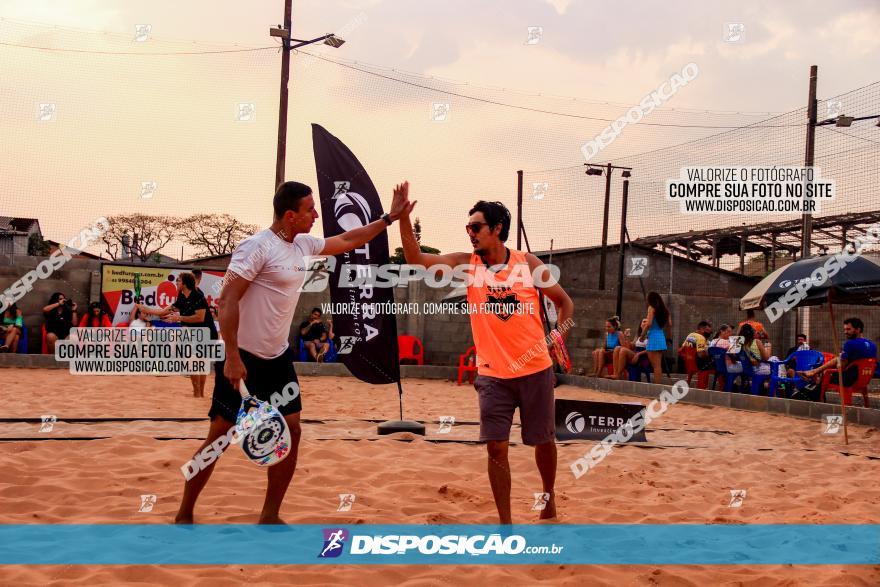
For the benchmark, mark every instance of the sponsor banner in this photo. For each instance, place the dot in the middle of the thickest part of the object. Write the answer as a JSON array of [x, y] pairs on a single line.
[[629, 544], [349, 200], [594, 420], [119, 283]]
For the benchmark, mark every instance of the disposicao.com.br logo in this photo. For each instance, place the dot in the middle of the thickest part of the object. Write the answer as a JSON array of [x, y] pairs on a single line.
[[431, 544]]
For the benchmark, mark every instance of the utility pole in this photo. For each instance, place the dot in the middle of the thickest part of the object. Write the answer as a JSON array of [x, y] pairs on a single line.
[[519, 222], [605, 227], [807, 219], [621, 254], [281, 155]]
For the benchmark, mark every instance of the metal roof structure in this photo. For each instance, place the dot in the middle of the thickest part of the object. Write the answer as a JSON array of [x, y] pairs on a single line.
[[768, 238]]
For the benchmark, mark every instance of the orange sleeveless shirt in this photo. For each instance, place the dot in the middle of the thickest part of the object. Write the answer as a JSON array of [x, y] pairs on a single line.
[[506, 320]]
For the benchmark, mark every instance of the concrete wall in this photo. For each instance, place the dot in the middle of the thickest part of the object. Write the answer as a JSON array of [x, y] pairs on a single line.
[[698, 292]]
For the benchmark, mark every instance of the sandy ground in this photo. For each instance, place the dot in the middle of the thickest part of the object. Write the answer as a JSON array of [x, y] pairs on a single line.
[[791, 471]]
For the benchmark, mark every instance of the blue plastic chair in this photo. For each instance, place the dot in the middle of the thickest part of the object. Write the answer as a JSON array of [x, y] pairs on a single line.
[[745, 376], [23, 342], [717, 354], [757, 381], [804, 361], [329, 357], [634, 372]]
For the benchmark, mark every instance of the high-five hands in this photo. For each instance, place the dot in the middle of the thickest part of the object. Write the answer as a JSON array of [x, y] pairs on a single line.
[[400, 204]]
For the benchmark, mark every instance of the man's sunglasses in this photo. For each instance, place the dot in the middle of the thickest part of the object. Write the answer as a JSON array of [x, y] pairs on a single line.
[[475, 227]]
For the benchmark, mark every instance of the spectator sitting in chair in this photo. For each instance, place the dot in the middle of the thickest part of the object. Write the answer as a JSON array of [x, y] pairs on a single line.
[[60, 314], [855, 347], [11, 329], [315, 336], [722, 337], [697, 340], [800, 345], [755, 351], [613, 339], [630, 353], [94, 317]]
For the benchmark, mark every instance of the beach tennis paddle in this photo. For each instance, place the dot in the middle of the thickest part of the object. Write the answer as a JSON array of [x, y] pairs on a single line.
[[558, 351], [264, 432]]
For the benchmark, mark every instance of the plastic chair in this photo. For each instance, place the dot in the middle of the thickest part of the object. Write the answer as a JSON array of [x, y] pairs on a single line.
[[467, 365], [689, 355], [329, 356], [758, 380], [804, 361], [44, 349], [23, 342], [866, 368], [745, 375], [717, 354], [634, 372], [410, 349]]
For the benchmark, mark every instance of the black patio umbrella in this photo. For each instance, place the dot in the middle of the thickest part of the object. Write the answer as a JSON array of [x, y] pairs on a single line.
[[849, 278], [844, 277]]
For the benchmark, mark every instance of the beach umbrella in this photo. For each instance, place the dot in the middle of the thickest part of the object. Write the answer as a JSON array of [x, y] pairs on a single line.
[[850, 278], [845, 277]]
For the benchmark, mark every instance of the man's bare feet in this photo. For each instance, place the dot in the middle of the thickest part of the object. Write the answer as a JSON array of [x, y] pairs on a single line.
[[271, 520], [549, 510], [183, 519]]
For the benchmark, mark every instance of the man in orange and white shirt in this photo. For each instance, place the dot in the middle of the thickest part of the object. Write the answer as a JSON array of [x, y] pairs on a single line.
[[514, 369]]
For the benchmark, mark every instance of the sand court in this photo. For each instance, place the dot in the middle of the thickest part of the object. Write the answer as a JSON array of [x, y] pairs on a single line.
[[694, 457]]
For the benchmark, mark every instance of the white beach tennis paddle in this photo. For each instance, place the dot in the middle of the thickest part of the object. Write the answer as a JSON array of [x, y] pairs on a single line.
[[264, 432]]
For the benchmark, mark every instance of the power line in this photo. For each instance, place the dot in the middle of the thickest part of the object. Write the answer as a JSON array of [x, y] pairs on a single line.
[[141, 53], [539, 95], [537, 110], [846, 134]]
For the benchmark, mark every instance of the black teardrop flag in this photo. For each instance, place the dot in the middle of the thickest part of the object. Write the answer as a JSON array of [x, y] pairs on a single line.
[[366, 340]]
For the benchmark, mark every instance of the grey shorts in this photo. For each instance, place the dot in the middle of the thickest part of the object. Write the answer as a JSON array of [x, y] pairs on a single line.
[[532, 394]]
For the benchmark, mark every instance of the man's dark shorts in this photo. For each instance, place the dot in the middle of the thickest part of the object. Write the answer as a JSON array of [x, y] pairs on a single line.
[[532, 394], [850, 376], [264, 377]]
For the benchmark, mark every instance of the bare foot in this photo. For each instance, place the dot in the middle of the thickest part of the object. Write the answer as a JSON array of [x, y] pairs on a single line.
[[271, 520], [183, 518], [549, 510], [612, 376]]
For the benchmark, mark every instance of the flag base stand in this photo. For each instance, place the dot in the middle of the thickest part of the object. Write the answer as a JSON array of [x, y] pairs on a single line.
[[392, 426]]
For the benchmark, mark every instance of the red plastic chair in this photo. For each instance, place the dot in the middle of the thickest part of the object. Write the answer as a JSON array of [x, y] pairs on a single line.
[[467, 364], [44, 349], [866, 369], [410, 348], [689, 355]]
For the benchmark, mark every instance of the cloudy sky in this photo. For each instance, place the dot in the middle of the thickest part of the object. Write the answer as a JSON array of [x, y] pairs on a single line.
[[122, 119]]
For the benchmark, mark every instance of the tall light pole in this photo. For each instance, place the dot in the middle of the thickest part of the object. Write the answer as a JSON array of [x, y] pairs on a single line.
[[599, 170], [621, 254], [283, 32]]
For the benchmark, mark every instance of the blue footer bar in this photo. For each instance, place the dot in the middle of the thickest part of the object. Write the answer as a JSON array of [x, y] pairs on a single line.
[[607, 544]]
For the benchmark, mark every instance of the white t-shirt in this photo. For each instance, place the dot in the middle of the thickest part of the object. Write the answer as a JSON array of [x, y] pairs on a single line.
[[276, 270]]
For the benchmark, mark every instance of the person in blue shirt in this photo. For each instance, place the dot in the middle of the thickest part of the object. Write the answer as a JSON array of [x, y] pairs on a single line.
[[613, 339], [855, 347]]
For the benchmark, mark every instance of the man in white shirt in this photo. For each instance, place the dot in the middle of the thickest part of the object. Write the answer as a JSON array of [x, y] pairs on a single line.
[[258, 300]]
